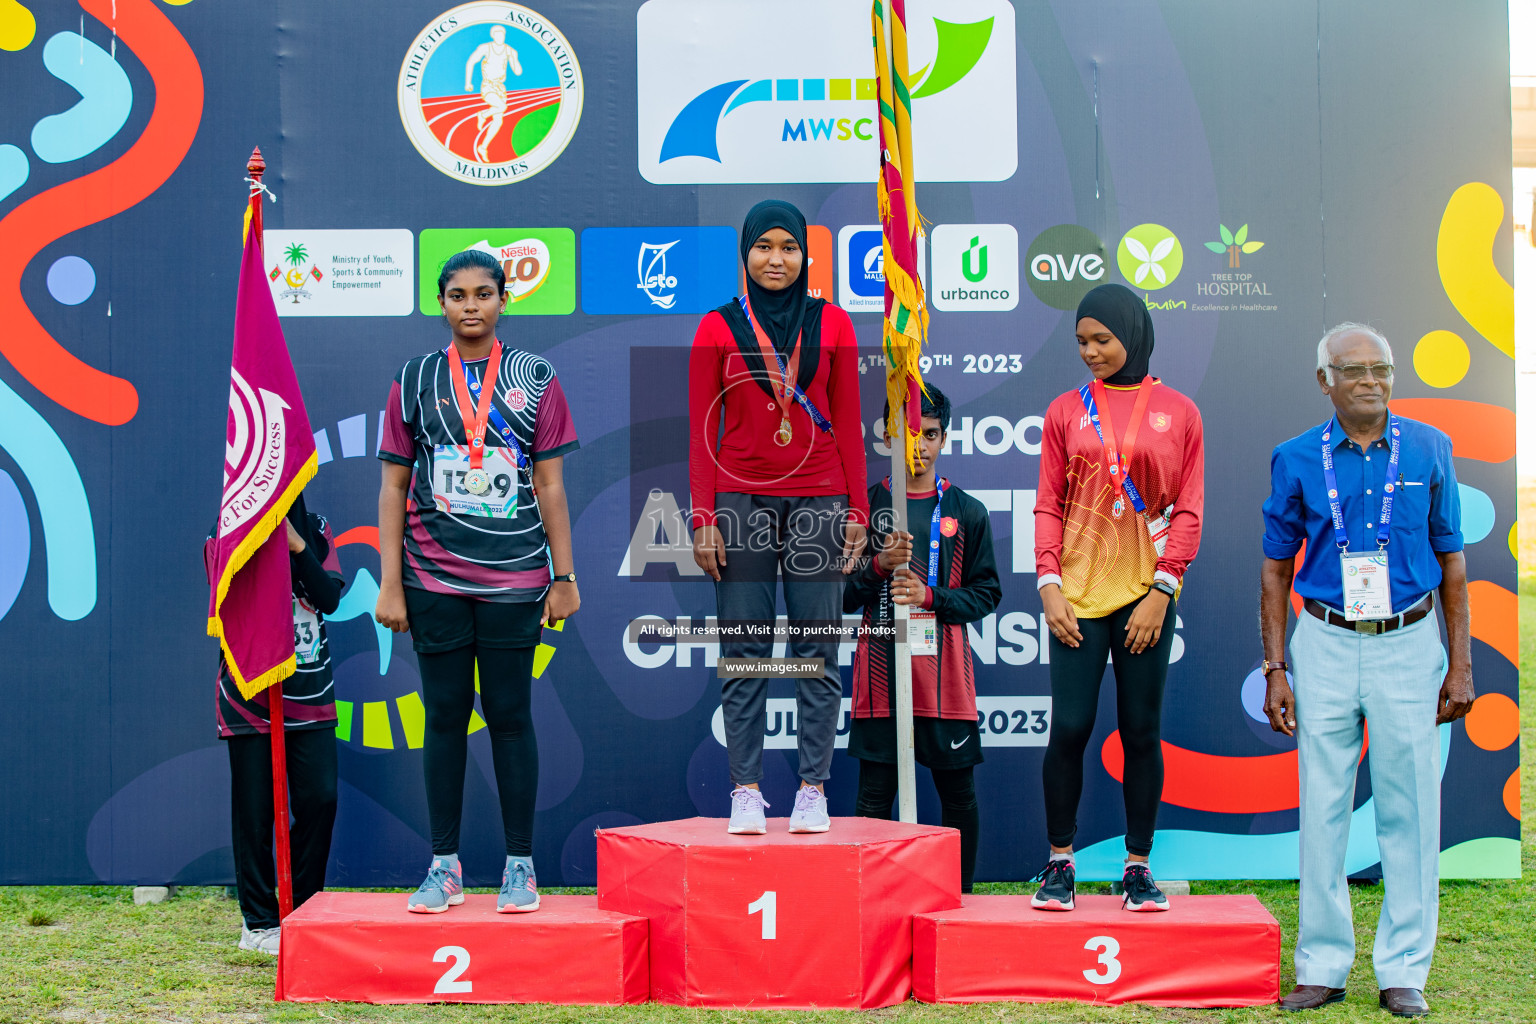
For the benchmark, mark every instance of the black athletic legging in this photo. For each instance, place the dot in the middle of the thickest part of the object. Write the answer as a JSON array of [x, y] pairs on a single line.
[[957, 803], [448, 689], [1076, 673]]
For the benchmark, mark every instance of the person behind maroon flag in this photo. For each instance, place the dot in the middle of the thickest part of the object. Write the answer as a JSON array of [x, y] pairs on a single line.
[[776, 471], [950, 582], [309, 726], [475, 559]]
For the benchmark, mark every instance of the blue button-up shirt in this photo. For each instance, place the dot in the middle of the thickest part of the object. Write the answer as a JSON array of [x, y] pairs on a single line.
[[1426, 510]]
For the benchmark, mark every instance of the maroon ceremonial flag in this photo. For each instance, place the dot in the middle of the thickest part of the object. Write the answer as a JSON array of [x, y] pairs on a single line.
[[269, 455]]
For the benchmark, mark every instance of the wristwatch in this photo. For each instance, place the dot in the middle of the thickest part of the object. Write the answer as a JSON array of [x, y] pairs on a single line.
[[1270, 666], [569, 577], [1164, 586]]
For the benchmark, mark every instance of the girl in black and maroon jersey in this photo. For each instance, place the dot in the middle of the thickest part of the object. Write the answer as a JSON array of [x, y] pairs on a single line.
[[309, 728], [776, 471], [477, 562]]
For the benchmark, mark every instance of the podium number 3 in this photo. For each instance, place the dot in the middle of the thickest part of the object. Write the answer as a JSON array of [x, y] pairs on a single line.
[[768, 904], [1109, 967], [449, 983]]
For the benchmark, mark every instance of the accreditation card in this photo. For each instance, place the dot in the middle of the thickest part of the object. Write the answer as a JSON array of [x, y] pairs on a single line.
[[306, 632], [923, 631], [1367, 585]]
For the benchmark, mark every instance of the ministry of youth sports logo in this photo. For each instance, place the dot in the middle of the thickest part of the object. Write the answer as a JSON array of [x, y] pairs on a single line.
[[490, 93]]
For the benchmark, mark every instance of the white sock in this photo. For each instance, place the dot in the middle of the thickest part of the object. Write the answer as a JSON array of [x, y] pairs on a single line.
[[1062, 856]]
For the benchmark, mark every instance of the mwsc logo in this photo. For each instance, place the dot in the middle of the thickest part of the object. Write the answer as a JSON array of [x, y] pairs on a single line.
[[797, 109]]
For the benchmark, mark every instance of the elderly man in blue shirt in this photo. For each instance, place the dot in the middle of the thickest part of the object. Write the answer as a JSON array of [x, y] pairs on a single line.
[[1371, 497]]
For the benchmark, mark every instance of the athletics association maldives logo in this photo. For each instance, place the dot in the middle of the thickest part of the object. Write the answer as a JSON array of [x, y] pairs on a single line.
[[255, 452], [490, 93]]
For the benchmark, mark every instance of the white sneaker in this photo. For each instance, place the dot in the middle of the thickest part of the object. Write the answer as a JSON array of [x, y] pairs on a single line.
[[810, 813], [262, 940], [747, 818]]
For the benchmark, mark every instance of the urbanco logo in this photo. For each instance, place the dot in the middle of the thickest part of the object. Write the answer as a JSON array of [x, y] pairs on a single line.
[[737, 92], [975, 267], [490, 92], [1065, 263], [1150, 256]]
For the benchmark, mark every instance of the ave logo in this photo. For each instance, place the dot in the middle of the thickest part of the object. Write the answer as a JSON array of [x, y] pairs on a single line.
[[975, 267], [1065, 263]]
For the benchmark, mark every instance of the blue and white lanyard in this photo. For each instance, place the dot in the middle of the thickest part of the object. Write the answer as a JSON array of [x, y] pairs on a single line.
[[933, 540], [498, 422], [1388, 490], [822, 423], [1119, 468]]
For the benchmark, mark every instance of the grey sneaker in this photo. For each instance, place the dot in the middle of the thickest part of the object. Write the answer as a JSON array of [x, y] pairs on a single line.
[[443, 888], [262, 940], [810, 813], [519, 889], [747, 818]]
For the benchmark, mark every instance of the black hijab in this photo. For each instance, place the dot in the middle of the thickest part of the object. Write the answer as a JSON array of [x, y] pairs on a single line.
[[1118, 308], [784, 314]]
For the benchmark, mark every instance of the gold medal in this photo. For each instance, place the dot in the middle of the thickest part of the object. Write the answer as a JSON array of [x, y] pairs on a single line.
[[784, 434]]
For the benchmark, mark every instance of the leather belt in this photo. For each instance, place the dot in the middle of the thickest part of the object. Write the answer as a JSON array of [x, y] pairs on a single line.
[[1371, 627]]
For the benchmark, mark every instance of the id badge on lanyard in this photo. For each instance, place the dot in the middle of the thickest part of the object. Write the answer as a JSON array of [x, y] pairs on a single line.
[[923, 624], [306, 632], [1366, 575]]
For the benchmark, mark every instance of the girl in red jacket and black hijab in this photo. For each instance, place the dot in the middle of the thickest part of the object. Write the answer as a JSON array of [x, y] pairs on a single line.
[[776, 471]]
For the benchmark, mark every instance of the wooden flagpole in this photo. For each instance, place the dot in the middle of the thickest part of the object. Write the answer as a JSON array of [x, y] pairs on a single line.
[[906, 765], [256, 168]]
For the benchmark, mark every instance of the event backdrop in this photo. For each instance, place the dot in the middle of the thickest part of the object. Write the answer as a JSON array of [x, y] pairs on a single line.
[[1256, 171]]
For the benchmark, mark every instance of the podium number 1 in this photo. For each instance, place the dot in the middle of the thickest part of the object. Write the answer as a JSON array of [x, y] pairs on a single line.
[[768, 903], [1109, 968], [449, 983]]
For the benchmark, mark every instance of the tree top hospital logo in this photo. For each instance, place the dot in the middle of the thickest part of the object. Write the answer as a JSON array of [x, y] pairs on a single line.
[[731, 92], [490, 93]]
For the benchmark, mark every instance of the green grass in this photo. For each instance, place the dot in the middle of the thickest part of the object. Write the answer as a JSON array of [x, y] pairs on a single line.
[[88, 954]]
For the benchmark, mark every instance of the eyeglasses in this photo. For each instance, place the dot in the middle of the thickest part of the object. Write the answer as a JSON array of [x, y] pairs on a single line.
[[1357, 371]]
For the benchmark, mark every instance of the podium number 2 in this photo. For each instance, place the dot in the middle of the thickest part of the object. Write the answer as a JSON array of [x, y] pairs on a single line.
[[1109, 968], [768, 904], [449, 983]]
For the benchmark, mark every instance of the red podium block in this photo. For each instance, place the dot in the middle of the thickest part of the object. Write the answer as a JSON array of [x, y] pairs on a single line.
[[366, 947], [1205, 951], [779, 920]]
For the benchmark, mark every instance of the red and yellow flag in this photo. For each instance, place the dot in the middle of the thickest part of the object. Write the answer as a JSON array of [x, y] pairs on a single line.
[[906, 311]]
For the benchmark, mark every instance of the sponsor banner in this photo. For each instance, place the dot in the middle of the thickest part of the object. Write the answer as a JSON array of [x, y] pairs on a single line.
[[1065, 263], [1233, 285], [1150, 257], [658, 270], [340, 273], [540, 264], [975, 267], [490, 93], [785, 92], [861, 270]]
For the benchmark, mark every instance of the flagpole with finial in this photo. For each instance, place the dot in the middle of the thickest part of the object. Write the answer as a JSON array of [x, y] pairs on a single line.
[[256, 167]]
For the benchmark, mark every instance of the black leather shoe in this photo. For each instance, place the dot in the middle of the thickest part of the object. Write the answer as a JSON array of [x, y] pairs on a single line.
[[1404, 1002], [1310, 997]]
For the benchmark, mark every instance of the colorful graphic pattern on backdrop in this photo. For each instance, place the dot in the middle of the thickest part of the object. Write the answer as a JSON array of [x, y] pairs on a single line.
[[1062, 151]]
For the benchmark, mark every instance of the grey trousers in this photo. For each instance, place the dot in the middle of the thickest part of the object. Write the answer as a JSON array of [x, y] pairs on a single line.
[[803, 537]]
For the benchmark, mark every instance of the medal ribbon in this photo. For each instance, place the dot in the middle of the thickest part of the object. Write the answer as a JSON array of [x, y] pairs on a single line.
[[1388, 489], [1118, 460], [475, 414], [933, 539], [788, 375]]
